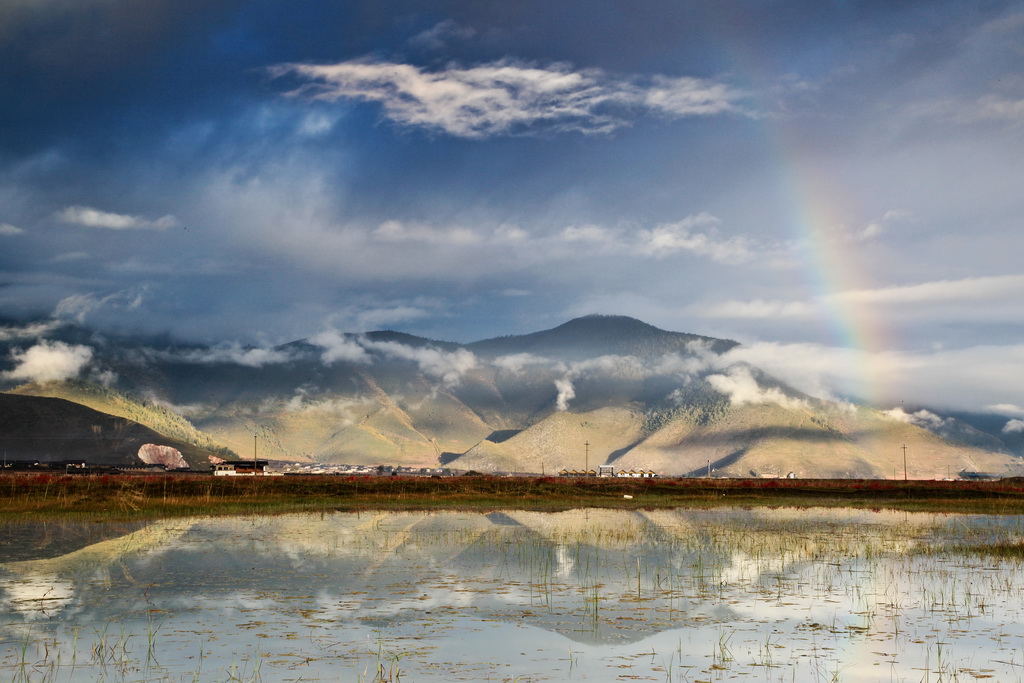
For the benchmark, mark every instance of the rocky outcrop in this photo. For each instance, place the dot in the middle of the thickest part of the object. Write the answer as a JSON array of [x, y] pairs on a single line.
[[171, 458]]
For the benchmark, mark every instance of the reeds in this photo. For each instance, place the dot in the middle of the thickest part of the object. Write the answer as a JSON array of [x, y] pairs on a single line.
[[143, 496]]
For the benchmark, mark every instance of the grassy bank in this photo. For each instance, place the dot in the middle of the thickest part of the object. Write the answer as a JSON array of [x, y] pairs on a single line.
[[139, 496]]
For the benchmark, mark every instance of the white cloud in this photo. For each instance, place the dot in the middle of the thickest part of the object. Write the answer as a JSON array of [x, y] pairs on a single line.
[[508, 98], [870, 231], [698, 359], [813, 369], [683, 235], [292, 221], [740, 386], [48, 361], [29, 331], [236, 355], [757, 308], [95, 218], [625, 367], [619, 366], [566, 393], [105, 377], [395, 231], [966, 289], [1014, 427], [516, 362], [988, 291], [8, 230], [78, 306], [699, 234], [447, 366], [337, 407], [1006, 409], [588, 233], [688, 366], [316, 124], [339, 347], [688, 96], [922, 418], [879, 227], [961, 379], [991, 107]]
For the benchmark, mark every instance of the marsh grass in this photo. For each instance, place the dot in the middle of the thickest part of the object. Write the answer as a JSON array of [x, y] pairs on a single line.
[[148, 496], [1005, 549]]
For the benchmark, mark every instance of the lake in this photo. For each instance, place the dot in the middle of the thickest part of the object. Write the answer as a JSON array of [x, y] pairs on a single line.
[[667, 595]]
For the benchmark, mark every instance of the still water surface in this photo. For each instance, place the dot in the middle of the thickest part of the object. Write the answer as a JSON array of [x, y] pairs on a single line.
[[599, 595]]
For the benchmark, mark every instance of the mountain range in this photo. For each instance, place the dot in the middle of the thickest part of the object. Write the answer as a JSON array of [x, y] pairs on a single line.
[[595, 390]]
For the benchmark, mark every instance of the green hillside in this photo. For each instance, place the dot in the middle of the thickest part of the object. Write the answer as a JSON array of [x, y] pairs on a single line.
[[51, 429], [106, 400]]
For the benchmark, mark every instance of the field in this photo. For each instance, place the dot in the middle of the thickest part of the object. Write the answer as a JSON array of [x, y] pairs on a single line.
[[145, 496]]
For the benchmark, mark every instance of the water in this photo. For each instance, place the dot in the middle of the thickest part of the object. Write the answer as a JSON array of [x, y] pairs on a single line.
[[713, 595]]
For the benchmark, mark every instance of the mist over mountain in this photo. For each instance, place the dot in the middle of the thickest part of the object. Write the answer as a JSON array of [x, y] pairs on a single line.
[[595, 390]]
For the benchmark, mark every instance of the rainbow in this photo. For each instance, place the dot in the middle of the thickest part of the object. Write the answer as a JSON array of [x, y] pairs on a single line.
[[833, 267], [821, 218]]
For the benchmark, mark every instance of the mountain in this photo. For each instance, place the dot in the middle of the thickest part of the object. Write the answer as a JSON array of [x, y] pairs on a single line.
[[595, 390], [598, 335], [103, 399], [49, 429]]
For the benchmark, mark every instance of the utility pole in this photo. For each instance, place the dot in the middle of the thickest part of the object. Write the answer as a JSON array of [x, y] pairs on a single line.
[[586, 458], [254, 454], [904, 462]]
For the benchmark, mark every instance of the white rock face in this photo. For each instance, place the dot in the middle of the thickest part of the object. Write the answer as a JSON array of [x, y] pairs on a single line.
[[151, 454]]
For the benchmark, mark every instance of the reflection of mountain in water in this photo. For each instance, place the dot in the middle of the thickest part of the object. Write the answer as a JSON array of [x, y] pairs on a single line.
[[580, 573], [39, 540], [48, 582]]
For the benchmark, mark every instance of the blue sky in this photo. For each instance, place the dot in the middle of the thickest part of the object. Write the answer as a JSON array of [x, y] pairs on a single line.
[[813, 179]]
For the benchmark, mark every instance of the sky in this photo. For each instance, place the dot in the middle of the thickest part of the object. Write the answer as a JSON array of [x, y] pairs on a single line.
[[835, 184]]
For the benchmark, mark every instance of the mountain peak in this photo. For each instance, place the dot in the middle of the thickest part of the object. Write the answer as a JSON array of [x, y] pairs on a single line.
[[606, 323], [596, 335]]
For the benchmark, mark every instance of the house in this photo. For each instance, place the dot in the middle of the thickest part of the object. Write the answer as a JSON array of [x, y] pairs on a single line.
[[236, 468], [637, 474]]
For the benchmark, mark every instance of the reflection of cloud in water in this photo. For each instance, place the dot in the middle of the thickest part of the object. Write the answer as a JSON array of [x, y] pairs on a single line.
[[39, 596], [744, 568], [566, 562], [42, 588]]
